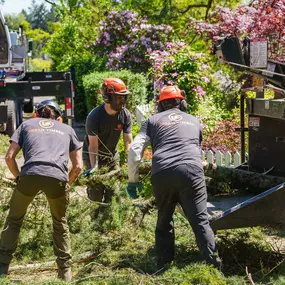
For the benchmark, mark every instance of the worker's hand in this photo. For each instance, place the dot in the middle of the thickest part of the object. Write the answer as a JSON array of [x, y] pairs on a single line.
[[133, 189], [89, 172]]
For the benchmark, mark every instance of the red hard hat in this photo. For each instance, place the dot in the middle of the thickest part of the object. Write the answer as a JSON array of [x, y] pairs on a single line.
[[170, 92], [114, 86]]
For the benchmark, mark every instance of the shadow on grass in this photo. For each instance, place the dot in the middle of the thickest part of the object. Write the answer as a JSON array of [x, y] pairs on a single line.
[[247, 249], [146, 264]]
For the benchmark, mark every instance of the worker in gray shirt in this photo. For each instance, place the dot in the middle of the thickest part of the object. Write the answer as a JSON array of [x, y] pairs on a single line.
[[47, 146], [104, 126], [177, 174]]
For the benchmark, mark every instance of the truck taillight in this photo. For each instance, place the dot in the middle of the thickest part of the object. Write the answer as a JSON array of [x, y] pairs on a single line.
[[2, 83], [68, 106]]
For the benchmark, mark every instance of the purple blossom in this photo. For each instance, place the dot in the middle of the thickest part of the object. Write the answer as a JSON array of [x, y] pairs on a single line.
[[204, 66], [199, 91], [206, 79], [107, 36]]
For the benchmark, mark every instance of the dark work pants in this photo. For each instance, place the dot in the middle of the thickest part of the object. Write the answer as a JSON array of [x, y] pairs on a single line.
[[183, 184], [57, 193]]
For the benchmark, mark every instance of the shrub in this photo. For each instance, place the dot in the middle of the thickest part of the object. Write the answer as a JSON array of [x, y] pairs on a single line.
[[136, 83], [190, 71], [128, 39], [38, 64], [223, 137]]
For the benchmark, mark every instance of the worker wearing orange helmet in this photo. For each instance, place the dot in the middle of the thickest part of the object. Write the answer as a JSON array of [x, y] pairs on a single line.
[[104, 126], [177, 174]]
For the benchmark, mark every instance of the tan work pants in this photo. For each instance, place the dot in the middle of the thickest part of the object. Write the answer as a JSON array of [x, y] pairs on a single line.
[[57, 193]]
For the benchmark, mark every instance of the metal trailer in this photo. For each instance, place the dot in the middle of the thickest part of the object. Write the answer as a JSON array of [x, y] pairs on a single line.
[[18, 88], [17, 97]]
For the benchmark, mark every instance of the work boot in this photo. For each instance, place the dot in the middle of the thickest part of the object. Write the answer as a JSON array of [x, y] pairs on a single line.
[[4, 269], [65, 273]]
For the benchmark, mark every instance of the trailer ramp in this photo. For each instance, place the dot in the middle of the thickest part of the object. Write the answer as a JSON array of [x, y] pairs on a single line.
[[267, 208]]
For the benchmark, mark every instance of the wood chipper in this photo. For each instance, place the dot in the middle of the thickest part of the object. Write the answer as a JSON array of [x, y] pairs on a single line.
[[266, 131]]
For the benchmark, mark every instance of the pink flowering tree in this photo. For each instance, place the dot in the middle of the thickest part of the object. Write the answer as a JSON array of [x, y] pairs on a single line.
[[190, 71], [127, 40], [262, 18]]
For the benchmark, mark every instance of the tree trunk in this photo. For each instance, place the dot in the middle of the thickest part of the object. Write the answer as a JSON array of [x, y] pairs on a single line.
[[220, 176]]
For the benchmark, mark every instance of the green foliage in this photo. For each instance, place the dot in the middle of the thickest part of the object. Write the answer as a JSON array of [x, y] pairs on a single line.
[[38, 64], [38, 15], [14, 20], [251, 248], [121, 239], [82, 67], [78, 29], [4, 143], [223, 137], [176, 12], [192, 72], [136, 84], [127, 40], [67, 44], [121, 147]]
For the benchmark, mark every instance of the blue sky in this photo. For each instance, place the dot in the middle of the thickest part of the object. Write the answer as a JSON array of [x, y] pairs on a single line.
[[15, 6]]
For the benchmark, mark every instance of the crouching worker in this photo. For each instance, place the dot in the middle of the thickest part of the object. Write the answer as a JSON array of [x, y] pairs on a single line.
[[177, 174], [47, 146]]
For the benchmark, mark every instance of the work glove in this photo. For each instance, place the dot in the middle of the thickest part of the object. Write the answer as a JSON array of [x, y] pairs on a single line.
[[88, 172], [133, 189]]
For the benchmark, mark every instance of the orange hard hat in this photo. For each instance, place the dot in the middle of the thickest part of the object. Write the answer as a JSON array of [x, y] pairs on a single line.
[[114, 86], [170, 92]]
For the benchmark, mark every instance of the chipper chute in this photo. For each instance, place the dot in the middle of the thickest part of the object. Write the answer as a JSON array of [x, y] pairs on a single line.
[[267, 208]]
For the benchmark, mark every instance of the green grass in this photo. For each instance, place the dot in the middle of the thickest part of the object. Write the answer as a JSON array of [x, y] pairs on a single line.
[[121, 239], [4, 143]]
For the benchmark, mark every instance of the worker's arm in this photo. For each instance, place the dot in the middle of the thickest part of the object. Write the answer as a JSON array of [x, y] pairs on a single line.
[[128, 138], [76, 161], [136, 151], [93, 151], [10, 158]]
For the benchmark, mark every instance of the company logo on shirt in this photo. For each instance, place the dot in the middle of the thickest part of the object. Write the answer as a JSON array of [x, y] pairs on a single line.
[[119, 127], [46, 124], [174, 117]]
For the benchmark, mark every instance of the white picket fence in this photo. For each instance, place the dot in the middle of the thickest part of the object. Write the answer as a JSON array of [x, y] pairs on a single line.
[[141, 112], [222, 159]]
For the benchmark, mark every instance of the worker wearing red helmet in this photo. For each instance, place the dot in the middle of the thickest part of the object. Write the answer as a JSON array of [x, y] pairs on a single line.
[[177, 174], [47, 146], [104, 125]]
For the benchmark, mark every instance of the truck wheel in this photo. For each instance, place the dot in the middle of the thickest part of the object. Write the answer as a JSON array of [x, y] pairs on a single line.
[[11, 114]]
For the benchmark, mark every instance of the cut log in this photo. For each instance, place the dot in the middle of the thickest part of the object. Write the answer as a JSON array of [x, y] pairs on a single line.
[[252, 182], [248, 181]]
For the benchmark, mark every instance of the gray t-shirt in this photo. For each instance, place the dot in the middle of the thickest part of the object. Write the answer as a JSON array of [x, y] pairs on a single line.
[[108, 128], [175, 137], [46, 145]]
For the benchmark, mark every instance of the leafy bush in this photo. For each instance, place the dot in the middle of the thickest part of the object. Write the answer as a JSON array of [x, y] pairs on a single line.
[[128, 39], [259, 19], [38, 64], [136, 83], [223, 137], [190, 71]]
